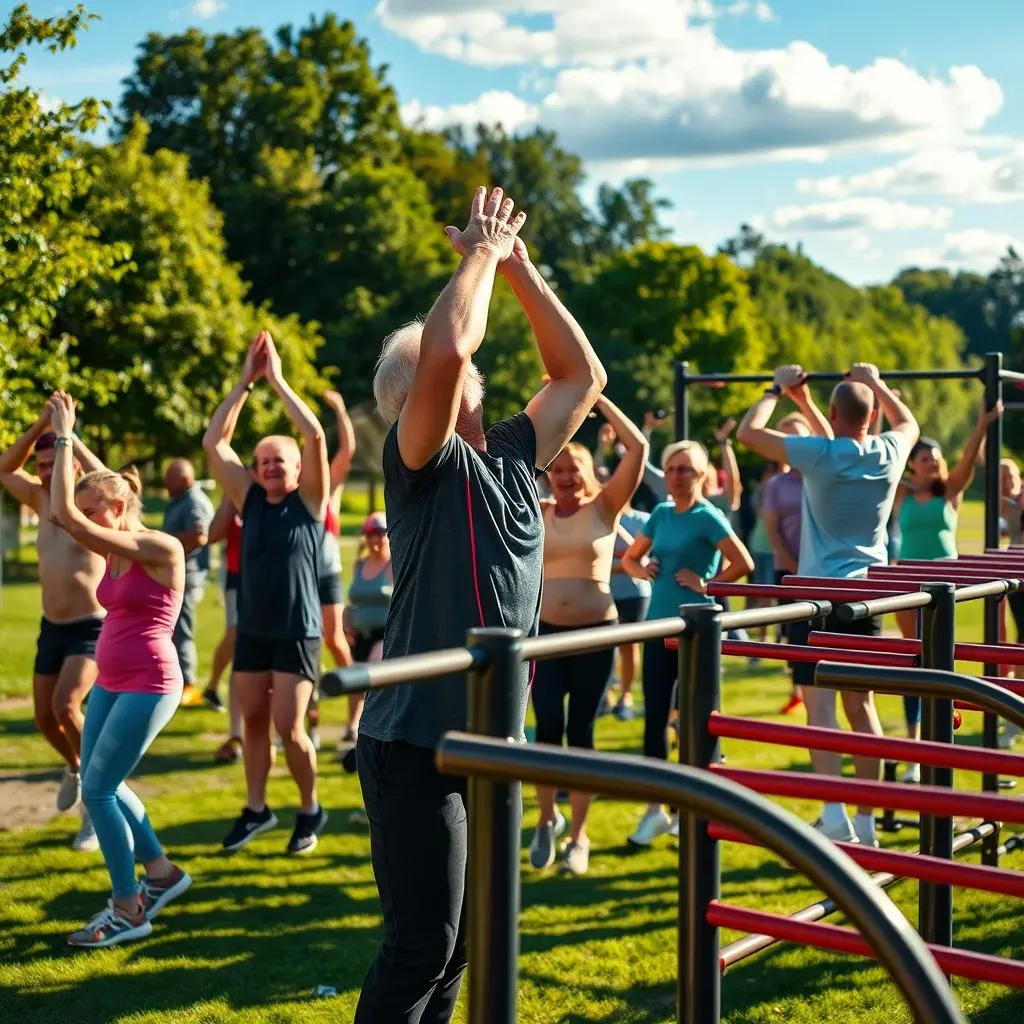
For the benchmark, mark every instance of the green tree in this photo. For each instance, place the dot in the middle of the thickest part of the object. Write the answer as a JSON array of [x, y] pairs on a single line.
[[43, 250]]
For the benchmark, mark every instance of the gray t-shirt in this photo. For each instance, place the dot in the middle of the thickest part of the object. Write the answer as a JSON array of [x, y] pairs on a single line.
[[191, 512], [452, 573], [849, 487]]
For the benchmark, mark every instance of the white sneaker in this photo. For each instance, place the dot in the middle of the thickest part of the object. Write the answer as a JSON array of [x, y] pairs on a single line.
[[652, 824], [1008, 735], [70, 791], [542, 846], [840, 831], [85, 841], [864, 828], [912, 774], [674, 830]]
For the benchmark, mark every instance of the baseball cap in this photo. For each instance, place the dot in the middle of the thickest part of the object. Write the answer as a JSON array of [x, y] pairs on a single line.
[[375, 523]]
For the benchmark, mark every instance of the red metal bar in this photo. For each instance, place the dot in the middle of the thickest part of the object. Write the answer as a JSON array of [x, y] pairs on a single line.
[[911, 865], [914, 580], [1007, 683], [978, 966], [935, 800], [809, 737], [792, 652], [991, 654], [863, 592], [881, 588], [847, 642]]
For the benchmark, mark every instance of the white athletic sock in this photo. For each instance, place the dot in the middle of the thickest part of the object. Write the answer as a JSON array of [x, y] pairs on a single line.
[[864, 826], [833, 814]]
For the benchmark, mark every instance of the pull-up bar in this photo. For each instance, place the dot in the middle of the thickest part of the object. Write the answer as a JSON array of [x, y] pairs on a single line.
[[830, 376]]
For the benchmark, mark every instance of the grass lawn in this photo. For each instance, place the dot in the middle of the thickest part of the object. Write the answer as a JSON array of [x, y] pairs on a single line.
[[259, 931]]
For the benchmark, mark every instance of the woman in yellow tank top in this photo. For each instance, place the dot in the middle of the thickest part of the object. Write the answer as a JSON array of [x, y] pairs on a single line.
[[580, 522]]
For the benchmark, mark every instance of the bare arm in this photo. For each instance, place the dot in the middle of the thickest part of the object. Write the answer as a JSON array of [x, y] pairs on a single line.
[[222, 520], [901, 419], [816, 419], [962, 473], [755, 433], [626, 479], [86, 459], [576, 374], [341, 463], [633, 560], [787, 558], [25, 487], [224, 462], [733, 483], [738, 561]]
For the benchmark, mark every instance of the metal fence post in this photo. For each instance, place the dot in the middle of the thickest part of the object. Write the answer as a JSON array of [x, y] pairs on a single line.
[[938, 621], [494, 810], [699, 694], [993, 453], [682, 397]]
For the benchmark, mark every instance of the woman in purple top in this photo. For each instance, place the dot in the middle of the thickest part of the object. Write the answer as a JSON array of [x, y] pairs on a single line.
[[782, 511]]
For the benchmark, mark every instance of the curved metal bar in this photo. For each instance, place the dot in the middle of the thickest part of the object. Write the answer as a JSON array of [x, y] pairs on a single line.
[[412, 669], [921, 682], [897, 946]]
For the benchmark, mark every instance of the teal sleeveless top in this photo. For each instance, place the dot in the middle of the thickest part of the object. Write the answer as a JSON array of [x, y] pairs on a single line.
[[370, 599], [928, 529]]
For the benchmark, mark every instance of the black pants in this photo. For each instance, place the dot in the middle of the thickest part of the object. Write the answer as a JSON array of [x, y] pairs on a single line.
[[584, 679], [661, 668], [418, 846], [799, 633]]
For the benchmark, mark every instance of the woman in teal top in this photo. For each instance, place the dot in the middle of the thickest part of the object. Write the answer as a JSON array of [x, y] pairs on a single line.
[[684, 545], [928, 507]]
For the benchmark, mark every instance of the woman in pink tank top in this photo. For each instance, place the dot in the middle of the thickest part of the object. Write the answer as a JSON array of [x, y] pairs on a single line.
[[139, 683]]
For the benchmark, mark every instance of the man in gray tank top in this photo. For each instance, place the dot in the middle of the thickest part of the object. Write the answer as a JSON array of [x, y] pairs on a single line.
[[467, 550]]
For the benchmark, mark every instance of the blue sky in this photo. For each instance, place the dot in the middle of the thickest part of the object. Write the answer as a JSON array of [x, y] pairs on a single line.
[[878, 134]]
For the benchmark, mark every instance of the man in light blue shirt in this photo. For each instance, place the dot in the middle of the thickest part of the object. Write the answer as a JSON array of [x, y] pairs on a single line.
[[850, 478]]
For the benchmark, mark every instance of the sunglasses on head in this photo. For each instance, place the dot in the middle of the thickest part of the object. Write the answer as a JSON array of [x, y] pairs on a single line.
[[45, 442]]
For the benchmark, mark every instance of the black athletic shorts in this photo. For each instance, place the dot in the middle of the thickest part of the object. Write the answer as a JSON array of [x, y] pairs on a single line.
[[297, 657], [61, 640], [329, 587], [633, 609], [365, 643], [798, 632]]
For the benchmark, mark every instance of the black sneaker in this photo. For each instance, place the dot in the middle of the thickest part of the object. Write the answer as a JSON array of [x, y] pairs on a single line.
[[307, 828], [247, 826], [213, 700]]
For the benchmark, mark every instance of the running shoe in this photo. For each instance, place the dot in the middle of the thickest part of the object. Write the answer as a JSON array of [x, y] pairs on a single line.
[[575, 858], [792, 706], [652, 825], [624, 712], [85, 840], [191, 696], [864, 828], [229, 752], [1009, 735], [109, 927], [840, 832], [156, 893], [307, 828], [213, 701], [70, 791], [248, 826], [542, 846], [912, 774]]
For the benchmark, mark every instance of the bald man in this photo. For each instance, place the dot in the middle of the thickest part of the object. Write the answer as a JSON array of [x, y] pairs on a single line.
[[850, 476], [188, 517]]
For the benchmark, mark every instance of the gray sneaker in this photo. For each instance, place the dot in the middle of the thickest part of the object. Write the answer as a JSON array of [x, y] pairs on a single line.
[[624, 712], [85, 841], [542, 847], [575, 858], [70, 791]]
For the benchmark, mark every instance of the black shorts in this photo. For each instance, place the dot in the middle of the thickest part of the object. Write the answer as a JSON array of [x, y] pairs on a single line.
[[59, 641], [329, 587], [365, 643], [296, 657], [633, 609], [803, 672], [1016, 603]]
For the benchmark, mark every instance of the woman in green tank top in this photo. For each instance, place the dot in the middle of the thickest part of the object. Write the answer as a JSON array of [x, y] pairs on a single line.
[[928, 508]]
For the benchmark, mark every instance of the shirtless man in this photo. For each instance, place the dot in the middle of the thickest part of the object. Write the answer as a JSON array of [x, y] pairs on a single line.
[[65, 665]]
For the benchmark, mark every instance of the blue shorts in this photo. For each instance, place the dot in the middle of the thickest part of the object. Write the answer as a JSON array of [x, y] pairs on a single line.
[[764, 569]]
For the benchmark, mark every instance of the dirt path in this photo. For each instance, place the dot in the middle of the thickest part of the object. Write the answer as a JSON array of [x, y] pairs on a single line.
[[27, 798]]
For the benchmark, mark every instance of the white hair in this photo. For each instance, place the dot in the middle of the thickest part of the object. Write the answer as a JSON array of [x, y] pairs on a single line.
[[396, 368]]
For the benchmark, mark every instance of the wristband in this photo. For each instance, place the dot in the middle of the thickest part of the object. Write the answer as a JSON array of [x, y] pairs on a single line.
[[62, 442], [773, 390]]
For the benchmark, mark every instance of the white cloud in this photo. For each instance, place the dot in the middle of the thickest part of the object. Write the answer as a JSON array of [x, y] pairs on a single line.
[[503, 108], [859, 214], [976, 248], [955, 173], [662, 86], [208, 8], [763, 12]]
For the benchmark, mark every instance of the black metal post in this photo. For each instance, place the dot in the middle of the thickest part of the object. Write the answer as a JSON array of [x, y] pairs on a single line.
[[993, 453], [682, 389], [494, 811], [935, 912], [888, 821], [699, 689]]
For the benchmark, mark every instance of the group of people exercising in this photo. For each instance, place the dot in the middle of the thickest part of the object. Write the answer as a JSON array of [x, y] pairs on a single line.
[[467, 541]]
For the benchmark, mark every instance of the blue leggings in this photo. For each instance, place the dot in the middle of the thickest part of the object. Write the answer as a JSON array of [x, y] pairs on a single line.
[[912, 711], [119, 727]]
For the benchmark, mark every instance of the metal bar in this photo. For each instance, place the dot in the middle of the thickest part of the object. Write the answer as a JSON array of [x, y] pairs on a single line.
[[751, 618], [768, 591], [831, 376], [992, 377], [415, 668], [700, 871], [978, 966], [920, 682], [746, 947], [856, 744], [902, 797], [881, 606], [1011, 375], [875, 587], [794, 653], [938, 628], [495, 823], [579, 641], [981, 590], [682, 396], [913, 865], [897, 946]]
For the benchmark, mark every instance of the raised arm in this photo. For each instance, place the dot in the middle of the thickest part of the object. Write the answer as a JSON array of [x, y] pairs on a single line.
[[962, 473], [24, 487], [754, 431], [454, 328], [221, 522], [626, 479], [86, 459], [224, 462], [341, 463], [576, 374], [314, 476], [901, 419], [733, 483]]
